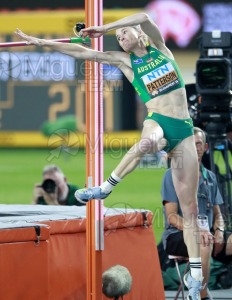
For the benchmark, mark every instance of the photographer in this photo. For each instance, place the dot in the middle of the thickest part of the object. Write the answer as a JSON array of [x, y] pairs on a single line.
[[54, 189]]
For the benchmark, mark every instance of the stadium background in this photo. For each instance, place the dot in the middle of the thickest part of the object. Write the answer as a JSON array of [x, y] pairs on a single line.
[[36, 89]]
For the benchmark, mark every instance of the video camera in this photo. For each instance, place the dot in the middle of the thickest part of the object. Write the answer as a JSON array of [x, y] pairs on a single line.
[[49, 186], [212, 107], [214, 77]]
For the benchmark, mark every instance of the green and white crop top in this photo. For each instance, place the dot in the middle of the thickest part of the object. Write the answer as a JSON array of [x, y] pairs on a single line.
[[155, 74]]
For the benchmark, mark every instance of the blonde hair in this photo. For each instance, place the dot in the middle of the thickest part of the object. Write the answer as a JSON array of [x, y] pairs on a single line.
[[143, 34]]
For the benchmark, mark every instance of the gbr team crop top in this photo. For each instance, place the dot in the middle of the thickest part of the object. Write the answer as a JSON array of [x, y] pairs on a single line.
[[155, 74]]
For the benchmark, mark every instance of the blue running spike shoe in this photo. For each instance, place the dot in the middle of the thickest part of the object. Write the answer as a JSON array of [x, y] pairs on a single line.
[[193, 286], [84, 195]]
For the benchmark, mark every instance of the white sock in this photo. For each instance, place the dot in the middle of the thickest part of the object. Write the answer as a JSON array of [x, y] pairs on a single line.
[[196, 268], [110, 183]]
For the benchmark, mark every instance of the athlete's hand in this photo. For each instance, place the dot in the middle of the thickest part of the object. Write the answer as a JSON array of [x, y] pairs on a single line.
[[93, 31], [29, 39]]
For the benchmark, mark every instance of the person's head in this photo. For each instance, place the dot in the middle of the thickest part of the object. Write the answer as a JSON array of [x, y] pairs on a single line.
[[131, 37], [55, 173], [200, 142]]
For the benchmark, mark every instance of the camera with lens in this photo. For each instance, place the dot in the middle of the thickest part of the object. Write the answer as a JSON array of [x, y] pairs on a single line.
[[211, 104], [214, 77], [49, 186]]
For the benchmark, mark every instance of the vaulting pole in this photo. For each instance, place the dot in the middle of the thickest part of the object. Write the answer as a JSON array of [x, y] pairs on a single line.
[[94, 157]]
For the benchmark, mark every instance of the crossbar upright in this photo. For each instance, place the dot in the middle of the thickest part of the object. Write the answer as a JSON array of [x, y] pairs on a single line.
[[94, 157]]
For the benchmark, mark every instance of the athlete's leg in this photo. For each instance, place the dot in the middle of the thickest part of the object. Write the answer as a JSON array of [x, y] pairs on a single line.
[[151, 141], [185, 173], [206, 251]]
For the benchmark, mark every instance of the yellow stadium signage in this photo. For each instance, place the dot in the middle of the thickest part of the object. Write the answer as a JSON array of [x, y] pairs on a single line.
[[50, 21]]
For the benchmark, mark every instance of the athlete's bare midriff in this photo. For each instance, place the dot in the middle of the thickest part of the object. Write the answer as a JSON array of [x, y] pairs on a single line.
[[173, 104]]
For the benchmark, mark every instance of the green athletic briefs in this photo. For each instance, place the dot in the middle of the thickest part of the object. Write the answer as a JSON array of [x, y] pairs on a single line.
[[175, 130]]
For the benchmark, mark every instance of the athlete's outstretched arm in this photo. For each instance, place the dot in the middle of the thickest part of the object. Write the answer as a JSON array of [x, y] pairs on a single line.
[[75, 50]]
